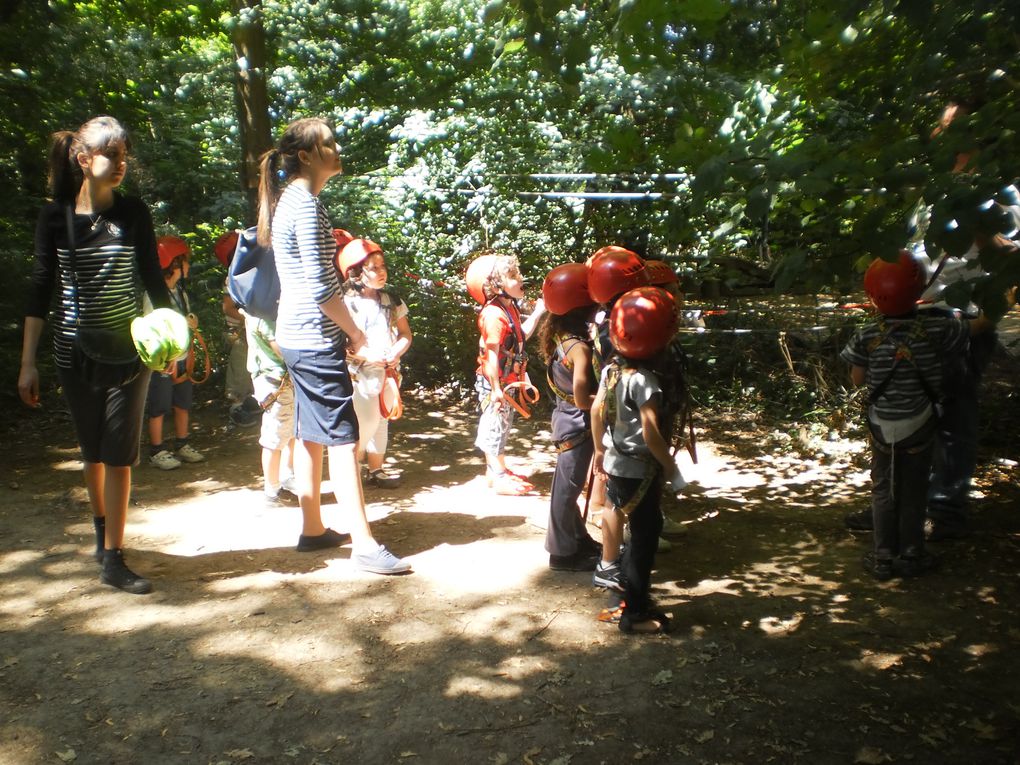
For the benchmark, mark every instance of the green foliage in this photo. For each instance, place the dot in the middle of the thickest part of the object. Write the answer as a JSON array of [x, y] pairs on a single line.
[[795, 136]]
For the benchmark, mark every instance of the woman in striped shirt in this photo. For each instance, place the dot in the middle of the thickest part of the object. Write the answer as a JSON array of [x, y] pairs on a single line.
[[313, 331], [114, 244]]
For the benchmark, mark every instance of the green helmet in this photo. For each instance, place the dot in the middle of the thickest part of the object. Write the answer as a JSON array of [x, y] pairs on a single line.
[[161, 337]]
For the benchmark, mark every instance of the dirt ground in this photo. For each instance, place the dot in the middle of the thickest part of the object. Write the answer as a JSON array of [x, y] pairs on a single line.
[[783, 650]]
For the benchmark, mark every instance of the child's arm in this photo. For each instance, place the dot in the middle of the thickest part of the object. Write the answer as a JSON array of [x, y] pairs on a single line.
[[598, 428], [857, 374], [402, 343], [660, 449], [335, 309], [653, 437], [491, 371], [584, 387], [529, 325]]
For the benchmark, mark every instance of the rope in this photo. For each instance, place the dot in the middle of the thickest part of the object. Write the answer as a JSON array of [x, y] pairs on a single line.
[[529, 395], [197, 341], [391, 379]]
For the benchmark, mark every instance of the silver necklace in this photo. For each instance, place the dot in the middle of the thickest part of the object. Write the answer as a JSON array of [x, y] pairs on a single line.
[[95, 221]]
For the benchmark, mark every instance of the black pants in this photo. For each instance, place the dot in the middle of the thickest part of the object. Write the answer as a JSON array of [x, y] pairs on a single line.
[[899, 492], [107, 421], [645, 526]]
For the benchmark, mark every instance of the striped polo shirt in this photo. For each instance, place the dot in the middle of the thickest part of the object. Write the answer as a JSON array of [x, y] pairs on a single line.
[[924, 341], [304, 247]]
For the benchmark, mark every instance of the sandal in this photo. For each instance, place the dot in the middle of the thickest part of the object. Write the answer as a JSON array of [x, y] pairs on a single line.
[[508, 486], [520, 478], [611, 615], [629, 623]]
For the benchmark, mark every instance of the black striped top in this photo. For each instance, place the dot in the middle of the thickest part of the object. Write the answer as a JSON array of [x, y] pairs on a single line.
[[114, 253], [924, 342]]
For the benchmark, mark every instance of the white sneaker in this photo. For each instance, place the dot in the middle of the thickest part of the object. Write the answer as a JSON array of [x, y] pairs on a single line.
[[164, 460], [189, 453], [287, 485], [671, 528]]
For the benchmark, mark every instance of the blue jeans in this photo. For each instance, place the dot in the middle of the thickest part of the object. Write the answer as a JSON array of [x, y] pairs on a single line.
[[956, 441]]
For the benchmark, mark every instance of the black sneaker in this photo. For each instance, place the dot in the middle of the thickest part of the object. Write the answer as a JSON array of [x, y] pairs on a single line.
[[579, 561], [609, 576], [590, 546], [862, 520], [944, 532], [880, 568], [325, 541], [382, 480], [915, 565], [242, 417], [117, 574]]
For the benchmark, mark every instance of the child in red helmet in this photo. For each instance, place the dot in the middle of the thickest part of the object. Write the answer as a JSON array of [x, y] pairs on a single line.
[[382, 316], [495, 281], [612, 270], [899, 358], [566, 348], [171, 391], [632, 420]]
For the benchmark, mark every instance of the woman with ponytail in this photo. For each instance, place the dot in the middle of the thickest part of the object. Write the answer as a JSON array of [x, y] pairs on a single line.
[[93, 241], [314, 329]]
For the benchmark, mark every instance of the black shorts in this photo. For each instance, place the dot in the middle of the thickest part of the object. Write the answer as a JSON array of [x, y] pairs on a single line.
[[165, 395], [323, 391], [107, 421]]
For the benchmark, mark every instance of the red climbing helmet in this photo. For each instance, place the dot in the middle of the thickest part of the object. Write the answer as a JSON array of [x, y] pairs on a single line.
[[660, 272], [342, 237], [895, 287], [170, 248], [224, 247], [566, 288], [478, 274], [642, 322], [354, 253], [604, 251], [613, 271]]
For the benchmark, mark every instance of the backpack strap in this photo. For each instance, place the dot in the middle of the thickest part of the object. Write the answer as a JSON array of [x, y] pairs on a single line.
[[904, 352]]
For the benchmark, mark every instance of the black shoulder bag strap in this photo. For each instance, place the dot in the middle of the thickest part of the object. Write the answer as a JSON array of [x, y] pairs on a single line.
[[72, 256]]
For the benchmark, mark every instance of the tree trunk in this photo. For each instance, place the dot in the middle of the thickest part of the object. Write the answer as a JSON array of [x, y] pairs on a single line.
[[249, 38]]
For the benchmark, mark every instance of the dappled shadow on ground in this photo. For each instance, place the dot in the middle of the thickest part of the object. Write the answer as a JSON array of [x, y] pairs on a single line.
[[783, 649]]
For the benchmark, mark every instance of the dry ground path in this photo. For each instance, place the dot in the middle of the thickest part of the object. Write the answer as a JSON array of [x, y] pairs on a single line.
[[783, 650]]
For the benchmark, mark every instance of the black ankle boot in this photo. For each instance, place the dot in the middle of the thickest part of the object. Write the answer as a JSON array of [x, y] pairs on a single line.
[[99, 522], [117, 574]]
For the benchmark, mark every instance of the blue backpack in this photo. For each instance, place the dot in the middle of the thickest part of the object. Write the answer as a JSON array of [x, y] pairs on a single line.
[[252, 281]]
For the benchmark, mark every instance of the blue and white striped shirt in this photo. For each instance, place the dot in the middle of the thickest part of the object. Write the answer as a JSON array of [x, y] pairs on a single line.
[[304, 246]]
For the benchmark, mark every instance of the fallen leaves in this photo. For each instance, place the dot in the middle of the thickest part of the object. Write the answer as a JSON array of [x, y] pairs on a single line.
[[665, 677], [869, 755]]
